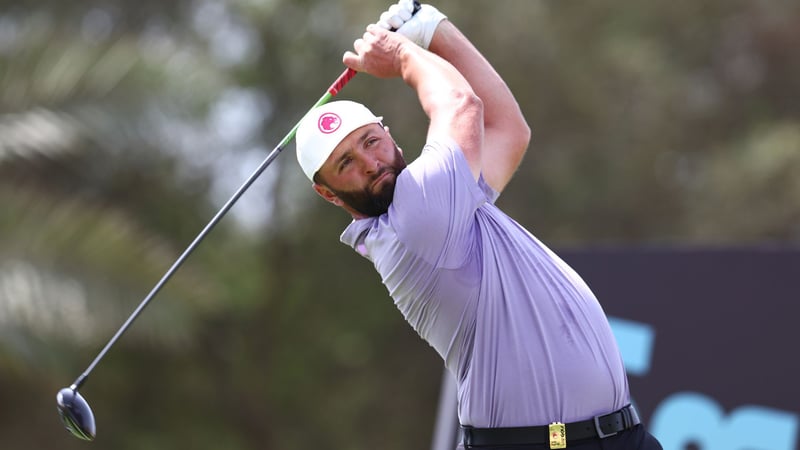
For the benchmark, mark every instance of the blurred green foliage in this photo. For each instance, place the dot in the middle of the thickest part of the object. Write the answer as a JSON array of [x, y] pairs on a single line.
[[124, 126]]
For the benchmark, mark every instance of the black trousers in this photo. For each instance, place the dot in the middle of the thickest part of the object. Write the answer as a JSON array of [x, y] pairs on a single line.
[[637, 438]]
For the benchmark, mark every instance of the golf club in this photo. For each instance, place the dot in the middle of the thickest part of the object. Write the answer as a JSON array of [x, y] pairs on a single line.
[[74, 410]]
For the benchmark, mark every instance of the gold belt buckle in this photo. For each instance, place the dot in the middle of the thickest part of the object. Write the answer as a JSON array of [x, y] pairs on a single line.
[[558, 435]]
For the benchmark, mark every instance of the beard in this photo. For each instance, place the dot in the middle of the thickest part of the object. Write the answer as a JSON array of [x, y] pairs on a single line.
[[373, 203]]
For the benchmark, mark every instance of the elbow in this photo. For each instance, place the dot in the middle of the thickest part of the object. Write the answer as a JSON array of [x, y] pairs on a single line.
[[517, 131], [458, 106], [464, 99], [523, 135], [469, 105]]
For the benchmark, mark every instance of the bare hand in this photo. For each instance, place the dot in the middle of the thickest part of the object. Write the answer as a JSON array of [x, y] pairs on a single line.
[[378, 53]]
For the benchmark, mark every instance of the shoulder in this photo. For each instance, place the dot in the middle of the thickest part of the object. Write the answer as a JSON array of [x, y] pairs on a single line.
[[437, 175]]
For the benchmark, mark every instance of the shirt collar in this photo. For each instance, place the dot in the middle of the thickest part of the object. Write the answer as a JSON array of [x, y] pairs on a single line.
[[356, 234]]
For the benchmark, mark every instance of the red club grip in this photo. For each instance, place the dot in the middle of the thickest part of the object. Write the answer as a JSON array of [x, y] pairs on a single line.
[[349, 73], [340, 82]]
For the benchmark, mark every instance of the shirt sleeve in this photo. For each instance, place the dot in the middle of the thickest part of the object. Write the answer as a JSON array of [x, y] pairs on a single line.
[[434, 205]]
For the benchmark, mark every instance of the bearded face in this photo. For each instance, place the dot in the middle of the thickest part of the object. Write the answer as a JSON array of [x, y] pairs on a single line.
[[374, 197]]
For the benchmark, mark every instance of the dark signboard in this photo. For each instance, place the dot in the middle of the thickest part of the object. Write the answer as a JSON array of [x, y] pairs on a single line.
[[710, 338]]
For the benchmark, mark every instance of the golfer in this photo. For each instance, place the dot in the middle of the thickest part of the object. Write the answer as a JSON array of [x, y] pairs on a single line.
[[530, 347]]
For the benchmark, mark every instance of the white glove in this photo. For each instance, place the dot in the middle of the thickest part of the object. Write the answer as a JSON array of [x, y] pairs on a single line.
[[419, 27]]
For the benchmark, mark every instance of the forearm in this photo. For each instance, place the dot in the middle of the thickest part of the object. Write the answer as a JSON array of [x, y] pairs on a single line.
[[438, 84], [500, 106], [447, 98], [506, 132]]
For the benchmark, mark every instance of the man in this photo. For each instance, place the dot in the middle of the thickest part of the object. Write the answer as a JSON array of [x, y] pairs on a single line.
[[524, 336]]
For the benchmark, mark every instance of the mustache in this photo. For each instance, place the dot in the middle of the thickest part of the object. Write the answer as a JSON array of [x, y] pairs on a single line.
[[381, 172]]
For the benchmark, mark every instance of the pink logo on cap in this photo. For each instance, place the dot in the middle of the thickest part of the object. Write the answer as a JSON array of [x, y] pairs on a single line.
[[329, 122]]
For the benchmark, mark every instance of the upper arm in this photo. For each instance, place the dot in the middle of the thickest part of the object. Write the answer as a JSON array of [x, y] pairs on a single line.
[[506, 134], [470, 104], [463, 123], [492, 146], [505, 146]]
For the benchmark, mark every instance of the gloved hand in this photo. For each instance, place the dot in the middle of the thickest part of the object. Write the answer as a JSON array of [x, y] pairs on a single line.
[[419, 27]]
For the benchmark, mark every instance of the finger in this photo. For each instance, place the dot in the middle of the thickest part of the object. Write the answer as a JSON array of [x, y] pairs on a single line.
[[352, 61], [408, 6], [396, 22], [387, 18], [405, 9], [399, 14], [373, 29], [359, 43], [392, 19], [383, 24]]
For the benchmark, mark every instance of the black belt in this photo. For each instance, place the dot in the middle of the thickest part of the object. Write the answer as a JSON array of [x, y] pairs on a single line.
[[596, 427]]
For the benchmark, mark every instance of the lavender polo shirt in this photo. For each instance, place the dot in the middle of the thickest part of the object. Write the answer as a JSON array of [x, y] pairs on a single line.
[[523, 334]]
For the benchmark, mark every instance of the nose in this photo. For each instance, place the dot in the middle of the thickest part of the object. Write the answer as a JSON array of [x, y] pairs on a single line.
[[371, 165]]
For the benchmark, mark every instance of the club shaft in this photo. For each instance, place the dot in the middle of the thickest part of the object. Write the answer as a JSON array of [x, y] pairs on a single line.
[[334, 89]]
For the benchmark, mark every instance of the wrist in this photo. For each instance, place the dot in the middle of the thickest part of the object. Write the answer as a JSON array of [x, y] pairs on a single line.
[[427, 19], [441, 36], [405, 56]]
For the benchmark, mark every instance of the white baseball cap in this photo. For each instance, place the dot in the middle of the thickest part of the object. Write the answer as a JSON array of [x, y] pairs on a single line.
[[324, 127]]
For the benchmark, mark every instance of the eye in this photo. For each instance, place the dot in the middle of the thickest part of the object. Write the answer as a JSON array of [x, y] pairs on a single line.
[[344, 163], [370, 141]]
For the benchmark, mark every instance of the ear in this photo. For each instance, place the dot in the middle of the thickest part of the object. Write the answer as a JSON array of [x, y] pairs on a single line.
[[389, 133], [327, 194]]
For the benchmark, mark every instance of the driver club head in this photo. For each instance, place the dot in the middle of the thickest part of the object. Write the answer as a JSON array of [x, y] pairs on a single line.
[[76, 414]]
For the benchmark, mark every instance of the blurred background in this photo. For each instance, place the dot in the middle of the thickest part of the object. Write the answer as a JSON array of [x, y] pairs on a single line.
[[124, 125]]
